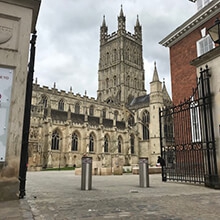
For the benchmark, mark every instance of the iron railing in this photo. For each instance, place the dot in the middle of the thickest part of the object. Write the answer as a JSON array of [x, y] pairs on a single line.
[[187, 137]]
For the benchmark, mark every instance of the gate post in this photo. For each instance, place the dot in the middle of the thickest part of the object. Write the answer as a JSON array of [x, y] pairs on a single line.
[[211, 177]]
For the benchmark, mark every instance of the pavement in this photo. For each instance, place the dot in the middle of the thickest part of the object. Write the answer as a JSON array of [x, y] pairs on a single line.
[[57, 195]]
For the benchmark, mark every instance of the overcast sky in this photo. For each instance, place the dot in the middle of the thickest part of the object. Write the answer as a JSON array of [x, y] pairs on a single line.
[[68, 38]]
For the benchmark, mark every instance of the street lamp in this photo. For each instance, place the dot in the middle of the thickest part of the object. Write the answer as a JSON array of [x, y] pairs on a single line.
[[214, 32]]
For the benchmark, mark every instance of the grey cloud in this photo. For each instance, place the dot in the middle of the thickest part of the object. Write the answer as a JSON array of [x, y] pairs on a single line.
[[68, 38]]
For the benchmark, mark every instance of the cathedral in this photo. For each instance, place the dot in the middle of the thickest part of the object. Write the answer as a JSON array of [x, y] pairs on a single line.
[[116, 128]]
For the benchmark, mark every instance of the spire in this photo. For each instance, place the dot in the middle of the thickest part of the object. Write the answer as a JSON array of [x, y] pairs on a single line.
[[137, 22], [164, 89], [121, 22], [121, 12], [103, 31], [165, 92], [103, 21], [137, 30], [155, 76], [164, 86]]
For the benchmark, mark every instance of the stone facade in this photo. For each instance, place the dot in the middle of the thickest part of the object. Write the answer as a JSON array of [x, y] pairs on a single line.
[[115, 129], [17, 22]]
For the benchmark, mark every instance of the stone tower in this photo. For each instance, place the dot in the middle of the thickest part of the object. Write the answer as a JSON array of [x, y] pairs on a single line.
[[156, 102], [121, 72]]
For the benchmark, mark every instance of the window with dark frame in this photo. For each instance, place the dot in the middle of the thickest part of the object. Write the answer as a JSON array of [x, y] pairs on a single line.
[[104, 113], [61, 105], [55, 140], [106, 144], [44, 101], [145, 125], [132, 143], [91, 110], [77, 108], [74, 142], [119, 145], [91, 143]]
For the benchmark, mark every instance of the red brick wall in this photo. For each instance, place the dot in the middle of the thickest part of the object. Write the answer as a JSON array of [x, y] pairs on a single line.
[[183, 75]]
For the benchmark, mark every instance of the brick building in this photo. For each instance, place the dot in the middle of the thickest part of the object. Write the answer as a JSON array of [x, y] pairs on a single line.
[[186, 42], [193, 155]]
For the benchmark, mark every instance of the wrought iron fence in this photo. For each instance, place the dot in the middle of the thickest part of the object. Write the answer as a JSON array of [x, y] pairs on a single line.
[[187, 137]]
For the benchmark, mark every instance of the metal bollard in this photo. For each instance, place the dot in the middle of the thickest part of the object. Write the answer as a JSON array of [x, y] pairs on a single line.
[[143, 172], [86, 175]]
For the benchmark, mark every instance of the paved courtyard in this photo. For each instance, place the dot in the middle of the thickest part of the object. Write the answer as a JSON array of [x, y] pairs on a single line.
[[58, 195]]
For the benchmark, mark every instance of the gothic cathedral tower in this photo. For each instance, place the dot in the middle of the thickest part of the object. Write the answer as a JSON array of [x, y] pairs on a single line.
[[121, 71]]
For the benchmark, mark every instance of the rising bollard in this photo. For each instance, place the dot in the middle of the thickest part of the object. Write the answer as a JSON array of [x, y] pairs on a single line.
[[86, 175], [143, 172]]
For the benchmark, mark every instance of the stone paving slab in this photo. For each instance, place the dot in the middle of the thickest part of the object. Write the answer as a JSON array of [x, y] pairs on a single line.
[[56, 195]]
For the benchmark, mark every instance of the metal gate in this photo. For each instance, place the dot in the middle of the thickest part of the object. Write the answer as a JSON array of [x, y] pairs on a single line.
[[187, 137]]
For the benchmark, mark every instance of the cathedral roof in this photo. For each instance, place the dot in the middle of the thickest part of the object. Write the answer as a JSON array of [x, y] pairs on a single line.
[[140, 100]]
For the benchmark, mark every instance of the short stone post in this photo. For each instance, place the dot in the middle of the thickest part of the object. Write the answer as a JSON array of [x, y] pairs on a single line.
[[86, 174], [143, 172]]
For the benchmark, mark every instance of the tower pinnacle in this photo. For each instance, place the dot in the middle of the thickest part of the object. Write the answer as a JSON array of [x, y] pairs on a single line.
[[155, 75]]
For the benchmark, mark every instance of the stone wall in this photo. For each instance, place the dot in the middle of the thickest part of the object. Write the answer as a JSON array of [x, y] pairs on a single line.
[[17, 21]]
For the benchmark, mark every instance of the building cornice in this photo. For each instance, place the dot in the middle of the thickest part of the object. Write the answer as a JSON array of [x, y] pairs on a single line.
[[191, 24]]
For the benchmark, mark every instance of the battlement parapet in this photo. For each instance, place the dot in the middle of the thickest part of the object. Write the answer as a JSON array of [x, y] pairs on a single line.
[[128, 34], [63, 93]]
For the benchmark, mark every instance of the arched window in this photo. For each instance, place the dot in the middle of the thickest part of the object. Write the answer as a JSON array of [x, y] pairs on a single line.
[[91, 110], [114, 81], [74, 142], [107, 58], [132, 143], [128, 54], [106, 144], [114, 55], [77, 108], [119, 145], [107, 83], [61, 105], [55, 140], [135, 56], [135, 83], [91, 143], [128, 80], [131, 120], [145, 125], [44, 101], [104, 113]]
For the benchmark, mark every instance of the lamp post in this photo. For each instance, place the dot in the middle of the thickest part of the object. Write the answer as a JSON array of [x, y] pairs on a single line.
[[214, 31], [27, 115]]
